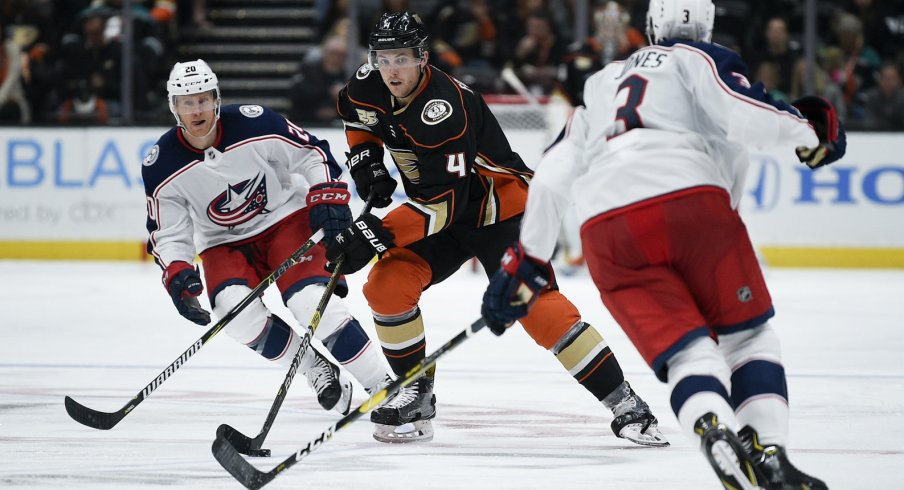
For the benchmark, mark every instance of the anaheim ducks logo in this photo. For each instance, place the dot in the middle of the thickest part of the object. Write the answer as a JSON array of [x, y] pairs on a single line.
[[436, 111], [363, 71], [240, 202]]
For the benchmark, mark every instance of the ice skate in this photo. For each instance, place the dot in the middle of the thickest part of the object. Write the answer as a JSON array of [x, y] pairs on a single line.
[[773, 462], [727, 456], [406, 417], [633, 419], [383, 383], [333, 389]]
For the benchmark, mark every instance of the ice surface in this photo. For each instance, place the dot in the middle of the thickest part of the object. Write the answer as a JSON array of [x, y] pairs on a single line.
[[508, 414]]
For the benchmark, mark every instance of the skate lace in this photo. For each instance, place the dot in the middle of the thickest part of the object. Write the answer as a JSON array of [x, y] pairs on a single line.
[[629, 404], [321, 375], [379, 386], [406, 396]]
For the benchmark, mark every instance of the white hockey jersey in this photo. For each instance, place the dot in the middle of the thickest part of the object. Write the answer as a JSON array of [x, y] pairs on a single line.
[[670, 117], [257, 173]]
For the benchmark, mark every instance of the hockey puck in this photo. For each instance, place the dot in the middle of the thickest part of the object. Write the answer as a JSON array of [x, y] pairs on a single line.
[[259, 453]]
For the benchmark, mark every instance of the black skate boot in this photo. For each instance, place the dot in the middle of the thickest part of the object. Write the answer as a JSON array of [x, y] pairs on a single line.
[[333, 389], [727, 456], [773, 462], [406, 417], [633, 419]]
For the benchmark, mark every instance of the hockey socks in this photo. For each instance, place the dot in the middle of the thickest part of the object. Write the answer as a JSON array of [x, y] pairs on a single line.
[[351, 346], [402, 338], [278, 343], [583, 352]]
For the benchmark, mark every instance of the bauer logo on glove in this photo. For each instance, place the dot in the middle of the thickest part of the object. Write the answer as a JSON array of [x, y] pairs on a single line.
[[375, 242]]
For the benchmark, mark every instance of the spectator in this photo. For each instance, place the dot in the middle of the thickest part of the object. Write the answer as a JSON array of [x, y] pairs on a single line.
[[30, 25], [93, 58], [315, 89], [613, 38], [538, 53], [780, 52], [150, 50], [466, 34], [875, 24], [330, 18], [84, 108], [13, 68], [861, 62], [190, 14], [511, 21], [884, 104], [823, 84], [769, 74], [199, 15]]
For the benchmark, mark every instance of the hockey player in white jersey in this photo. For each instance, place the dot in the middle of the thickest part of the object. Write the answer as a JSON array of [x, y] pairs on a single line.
[[655, 164], [245, 187]]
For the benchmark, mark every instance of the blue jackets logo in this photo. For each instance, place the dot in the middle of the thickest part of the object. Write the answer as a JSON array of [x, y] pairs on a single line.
[[240, 202]]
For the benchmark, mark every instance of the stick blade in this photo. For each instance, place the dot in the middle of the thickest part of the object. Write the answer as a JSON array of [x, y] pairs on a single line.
[[237, 466], [242, 443], [90, 417]]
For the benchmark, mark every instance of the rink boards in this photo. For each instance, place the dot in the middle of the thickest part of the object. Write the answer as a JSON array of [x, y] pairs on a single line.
[[78, 194]]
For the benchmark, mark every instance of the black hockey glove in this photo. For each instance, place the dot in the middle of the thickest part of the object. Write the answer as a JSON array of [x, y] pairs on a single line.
[[328, 205], [365, 163], [820, 113], [362, 240], [183, 282], [514, 288]]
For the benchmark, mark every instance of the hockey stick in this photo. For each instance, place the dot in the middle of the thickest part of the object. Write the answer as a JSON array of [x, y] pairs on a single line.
[[252, 446], [508, 76], [106, 420], [252, 478]]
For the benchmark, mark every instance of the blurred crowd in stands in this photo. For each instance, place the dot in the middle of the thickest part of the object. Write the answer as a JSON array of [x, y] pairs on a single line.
[[60, 63]]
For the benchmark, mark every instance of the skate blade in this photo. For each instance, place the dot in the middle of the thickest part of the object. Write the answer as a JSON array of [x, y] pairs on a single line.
[[345, 400], [651, 437], [418, 431], [730, 468]]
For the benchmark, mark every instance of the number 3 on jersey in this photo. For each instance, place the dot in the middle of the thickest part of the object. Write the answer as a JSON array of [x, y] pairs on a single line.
[[627, 113]]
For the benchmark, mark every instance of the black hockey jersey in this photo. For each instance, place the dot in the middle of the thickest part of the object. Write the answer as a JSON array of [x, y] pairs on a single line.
[[455, 161]]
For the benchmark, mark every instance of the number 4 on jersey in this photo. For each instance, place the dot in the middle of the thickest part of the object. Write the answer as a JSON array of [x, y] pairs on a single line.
[[627, 113], [455, 164]]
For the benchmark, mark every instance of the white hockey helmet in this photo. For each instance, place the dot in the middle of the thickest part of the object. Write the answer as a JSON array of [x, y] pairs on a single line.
[[680, 19], [189, 78]]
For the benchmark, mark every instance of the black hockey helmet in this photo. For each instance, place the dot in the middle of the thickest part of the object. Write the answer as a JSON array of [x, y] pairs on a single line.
[[397, 30]]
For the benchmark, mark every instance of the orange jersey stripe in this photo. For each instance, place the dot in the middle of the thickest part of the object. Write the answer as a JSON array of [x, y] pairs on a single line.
[[358, 137]]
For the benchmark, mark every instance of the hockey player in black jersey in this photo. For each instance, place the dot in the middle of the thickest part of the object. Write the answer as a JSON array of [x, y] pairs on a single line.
[[466, 190], [244, 187]]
